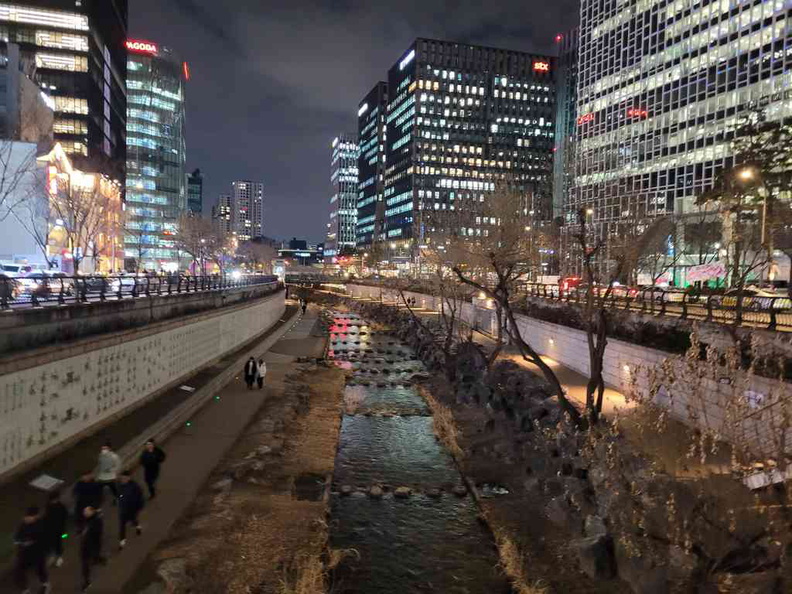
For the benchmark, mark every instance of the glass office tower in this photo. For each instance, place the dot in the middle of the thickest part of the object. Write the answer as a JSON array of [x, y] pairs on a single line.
[[156, 153]]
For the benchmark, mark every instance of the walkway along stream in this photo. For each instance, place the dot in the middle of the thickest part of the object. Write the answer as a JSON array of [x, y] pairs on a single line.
[[397, 497]]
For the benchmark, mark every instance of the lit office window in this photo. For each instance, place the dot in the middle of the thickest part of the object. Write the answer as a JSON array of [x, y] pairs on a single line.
[[58, 19], [67, 41], [71, 105], [62, 62]]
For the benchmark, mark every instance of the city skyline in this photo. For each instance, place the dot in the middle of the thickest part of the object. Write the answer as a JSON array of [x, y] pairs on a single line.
[[291, 107]]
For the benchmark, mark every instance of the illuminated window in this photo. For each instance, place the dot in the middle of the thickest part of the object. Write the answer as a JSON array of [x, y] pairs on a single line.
[[74, 147], [61, 126], [71, 105], [67, 41], [38, 16], [62, 62]]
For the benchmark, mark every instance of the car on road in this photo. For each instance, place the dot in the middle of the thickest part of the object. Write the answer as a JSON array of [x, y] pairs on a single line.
[[667, 295], [754, 299]]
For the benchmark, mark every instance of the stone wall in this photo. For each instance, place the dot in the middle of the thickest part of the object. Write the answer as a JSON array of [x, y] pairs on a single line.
[[626, 369], [50, 397]]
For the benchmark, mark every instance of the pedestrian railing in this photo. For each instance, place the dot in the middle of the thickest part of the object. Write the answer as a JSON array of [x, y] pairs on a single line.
[[772, 312], [56, 289]]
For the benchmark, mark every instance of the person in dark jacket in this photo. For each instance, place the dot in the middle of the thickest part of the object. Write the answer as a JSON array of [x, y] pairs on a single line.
[[251, 369], [130, 502], [31, 551], [151, 459], [91, 543], [86, 492], [54, 524]]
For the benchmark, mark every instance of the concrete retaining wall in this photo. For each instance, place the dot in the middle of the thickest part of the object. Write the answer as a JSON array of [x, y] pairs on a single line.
[[22, 329], [704, 403], [49, 397]]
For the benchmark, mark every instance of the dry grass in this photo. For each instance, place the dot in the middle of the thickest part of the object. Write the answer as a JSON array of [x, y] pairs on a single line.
[[512, 562], [445, 426], [309, 573]]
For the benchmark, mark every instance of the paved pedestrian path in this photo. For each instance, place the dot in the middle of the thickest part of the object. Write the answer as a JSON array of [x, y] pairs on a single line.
[[192, 453]]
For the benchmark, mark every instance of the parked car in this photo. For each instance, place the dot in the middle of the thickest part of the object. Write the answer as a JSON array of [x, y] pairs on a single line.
[[667, 295], [754, 299], [15, 270]]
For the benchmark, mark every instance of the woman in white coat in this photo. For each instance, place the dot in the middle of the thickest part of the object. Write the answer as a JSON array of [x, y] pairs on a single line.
[[260, 373]]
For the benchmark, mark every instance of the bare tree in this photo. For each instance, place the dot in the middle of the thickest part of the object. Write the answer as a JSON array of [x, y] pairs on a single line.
[[658, 247], [138, 243], [88, 208], [199, 239], [257, 254], [493, 247]]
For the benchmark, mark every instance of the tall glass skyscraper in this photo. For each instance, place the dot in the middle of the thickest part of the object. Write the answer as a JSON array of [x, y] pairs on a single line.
[[247, 209], [341, 231], [662, 87], [156, 194], [460, 118], [372, 113]]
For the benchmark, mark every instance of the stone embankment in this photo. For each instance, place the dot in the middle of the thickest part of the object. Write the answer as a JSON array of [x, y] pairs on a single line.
[[588, 511]]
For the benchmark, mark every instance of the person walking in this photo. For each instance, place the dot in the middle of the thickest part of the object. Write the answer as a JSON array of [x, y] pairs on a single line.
[[107, 470], [151, 459], [304, 306], [262, 372], [130, 502], [250, 372], [54, 526], [91, 543], [86, 493], [31, 551]]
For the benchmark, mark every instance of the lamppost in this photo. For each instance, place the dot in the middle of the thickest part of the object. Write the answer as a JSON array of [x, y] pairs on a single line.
[[749, 175]]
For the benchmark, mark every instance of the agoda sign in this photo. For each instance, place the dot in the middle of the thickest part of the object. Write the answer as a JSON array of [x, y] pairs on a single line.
[[141, 47]]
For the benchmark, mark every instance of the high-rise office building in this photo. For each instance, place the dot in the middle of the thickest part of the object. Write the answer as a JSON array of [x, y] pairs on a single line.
[[77, 49], [372, 113], [156, 153], [26, 112], [343, 196], [566, 117], [221, 215], [247, 209], [460, 118], [195, 192], [662, 87]]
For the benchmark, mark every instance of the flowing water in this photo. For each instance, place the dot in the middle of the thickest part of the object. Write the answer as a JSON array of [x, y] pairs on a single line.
[[429, 541]]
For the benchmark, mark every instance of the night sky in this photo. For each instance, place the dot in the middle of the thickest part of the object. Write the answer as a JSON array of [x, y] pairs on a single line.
[[273, 82]]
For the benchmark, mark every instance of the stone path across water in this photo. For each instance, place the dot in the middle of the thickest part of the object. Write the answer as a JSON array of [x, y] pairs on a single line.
[[393, 495]]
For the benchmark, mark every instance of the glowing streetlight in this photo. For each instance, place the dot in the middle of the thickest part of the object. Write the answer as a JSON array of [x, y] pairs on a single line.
[[746, 174], [589, 211]]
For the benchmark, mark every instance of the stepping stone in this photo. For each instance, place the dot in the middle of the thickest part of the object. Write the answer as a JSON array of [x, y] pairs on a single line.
[[434, 493], [460, 491], [346, 490], [402, 492], [375, 492]]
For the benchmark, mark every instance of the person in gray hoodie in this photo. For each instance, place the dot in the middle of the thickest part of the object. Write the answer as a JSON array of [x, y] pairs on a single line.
[[107, 470]]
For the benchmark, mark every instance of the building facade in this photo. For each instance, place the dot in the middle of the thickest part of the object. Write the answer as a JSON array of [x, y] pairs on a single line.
[[372, 113], [155, 184], [461, 118], [341, 230], [78, 54], [221, 214], [662, 87], [247, 209], [565, 118], [195, 192]]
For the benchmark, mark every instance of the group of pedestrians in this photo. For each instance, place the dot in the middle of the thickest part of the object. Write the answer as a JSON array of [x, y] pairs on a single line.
[[40, 536], [255, 372]]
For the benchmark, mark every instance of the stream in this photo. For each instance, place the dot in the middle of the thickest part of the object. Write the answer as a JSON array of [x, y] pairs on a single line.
[[429, 540]]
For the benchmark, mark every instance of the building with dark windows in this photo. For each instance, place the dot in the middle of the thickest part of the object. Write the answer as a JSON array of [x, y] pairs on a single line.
[[372, 113], [76, 52], [247, 209], [565, 118], [156, 153], [662, 87], [221, 215], [341, 230], [460, 118], [195, 192]]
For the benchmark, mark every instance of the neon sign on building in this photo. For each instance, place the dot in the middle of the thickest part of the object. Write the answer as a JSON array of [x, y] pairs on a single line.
[[541, 66], [141, 47]]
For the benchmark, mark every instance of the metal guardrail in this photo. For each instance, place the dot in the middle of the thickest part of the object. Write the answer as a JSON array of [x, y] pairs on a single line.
[[774, 313], [63, 290]]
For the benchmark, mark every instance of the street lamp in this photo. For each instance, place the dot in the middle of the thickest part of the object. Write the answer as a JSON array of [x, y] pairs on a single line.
[[746, 174]]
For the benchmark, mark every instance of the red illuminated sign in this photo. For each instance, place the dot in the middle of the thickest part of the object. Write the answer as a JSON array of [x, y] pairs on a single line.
[[186, 69], [634, 112], [141, 47], [558, 38], [541, 66], [585, 118]]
